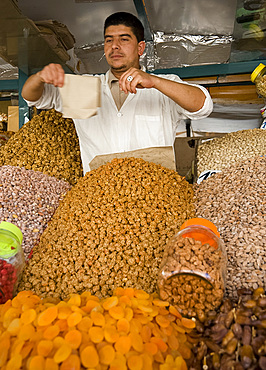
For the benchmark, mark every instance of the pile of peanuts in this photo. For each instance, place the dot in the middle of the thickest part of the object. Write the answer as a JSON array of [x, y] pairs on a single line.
[[110, 230], [192, 276], [49, 144], [128, 330], [234, 147]]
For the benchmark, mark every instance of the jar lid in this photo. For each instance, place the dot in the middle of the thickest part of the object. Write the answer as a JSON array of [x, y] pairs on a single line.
[[201, 236], [256, 71], [13, 228], [8, 249], [200, 221]]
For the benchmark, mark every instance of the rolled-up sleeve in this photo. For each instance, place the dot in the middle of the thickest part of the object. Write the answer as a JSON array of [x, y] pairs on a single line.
[[50, 99], [182, 113], [207, 108]]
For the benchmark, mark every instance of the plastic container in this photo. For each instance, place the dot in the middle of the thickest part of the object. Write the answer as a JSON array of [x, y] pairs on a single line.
[[192, 276], [11, 260], [258, 76]]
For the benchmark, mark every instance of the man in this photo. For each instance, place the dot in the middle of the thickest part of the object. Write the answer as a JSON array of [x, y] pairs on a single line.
[[139, 110]]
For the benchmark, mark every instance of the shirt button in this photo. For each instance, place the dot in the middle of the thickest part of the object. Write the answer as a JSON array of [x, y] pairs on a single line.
[[119, 114]]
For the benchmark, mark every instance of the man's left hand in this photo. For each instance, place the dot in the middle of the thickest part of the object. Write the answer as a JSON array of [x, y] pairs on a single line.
[[134, 79]]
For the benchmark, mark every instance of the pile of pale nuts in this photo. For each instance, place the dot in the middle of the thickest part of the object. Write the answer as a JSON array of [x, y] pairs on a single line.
[[110, 230], [192, 276], [234, 147], [261, 86], [28, 199], [235, 202], [49, 144]]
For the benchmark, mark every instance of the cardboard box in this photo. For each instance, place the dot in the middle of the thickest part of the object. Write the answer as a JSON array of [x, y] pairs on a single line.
[[186, 154], [13, 118]]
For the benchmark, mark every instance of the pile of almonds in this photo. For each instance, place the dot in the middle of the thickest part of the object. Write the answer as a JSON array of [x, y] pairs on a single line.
[[110, 230], [49, 144], [235, 201]]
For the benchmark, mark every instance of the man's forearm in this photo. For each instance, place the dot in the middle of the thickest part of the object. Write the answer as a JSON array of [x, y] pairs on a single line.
[[188, 97], [33, 88], [51, 74]]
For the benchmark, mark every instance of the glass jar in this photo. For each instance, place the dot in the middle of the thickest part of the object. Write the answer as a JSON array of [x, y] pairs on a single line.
[[258, 76], [11, 260], [192, 275]]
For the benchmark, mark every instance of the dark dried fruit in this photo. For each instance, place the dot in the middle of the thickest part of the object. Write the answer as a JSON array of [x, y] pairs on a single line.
[[246, 339], [231, 346], [262, 363], [237, 330], [243, 346], [246, 356], [216, 362]]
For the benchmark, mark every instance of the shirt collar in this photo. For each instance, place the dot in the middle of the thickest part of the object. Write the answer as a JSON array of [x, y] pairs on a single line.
[[111, 78]]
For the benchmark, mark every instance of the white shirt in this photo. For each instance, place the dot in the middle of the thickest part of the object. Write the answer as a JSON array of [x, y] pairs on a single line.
[[146, 119]]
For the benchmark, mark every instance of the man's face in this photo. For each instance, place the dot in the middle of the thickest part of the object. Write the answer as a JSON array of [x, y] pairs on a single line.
[[121, 48]]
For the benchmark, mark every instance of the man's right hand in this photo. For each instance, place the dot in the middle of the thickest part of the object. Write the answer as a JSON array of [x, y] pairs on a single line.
[[52, 74]]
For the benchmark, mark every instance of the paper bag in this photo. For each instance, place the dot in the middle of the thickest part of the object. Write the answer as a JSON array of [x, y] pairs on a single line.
[[159, 155], [81, 96], [13, 118]]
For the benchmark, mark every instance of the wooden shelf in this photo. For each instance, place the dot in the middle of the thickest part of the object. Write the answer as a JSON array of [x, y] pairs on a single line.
[[244, 93], [230, 88]]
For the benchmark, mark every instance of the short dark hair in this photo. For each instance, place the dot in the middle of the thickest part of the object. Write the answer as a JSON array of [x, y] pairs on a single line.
[[128, 20]]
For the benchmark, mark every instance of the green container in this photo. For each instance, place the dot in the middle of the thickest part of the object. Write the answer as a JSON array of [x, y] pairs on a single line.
[[12, 260]]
